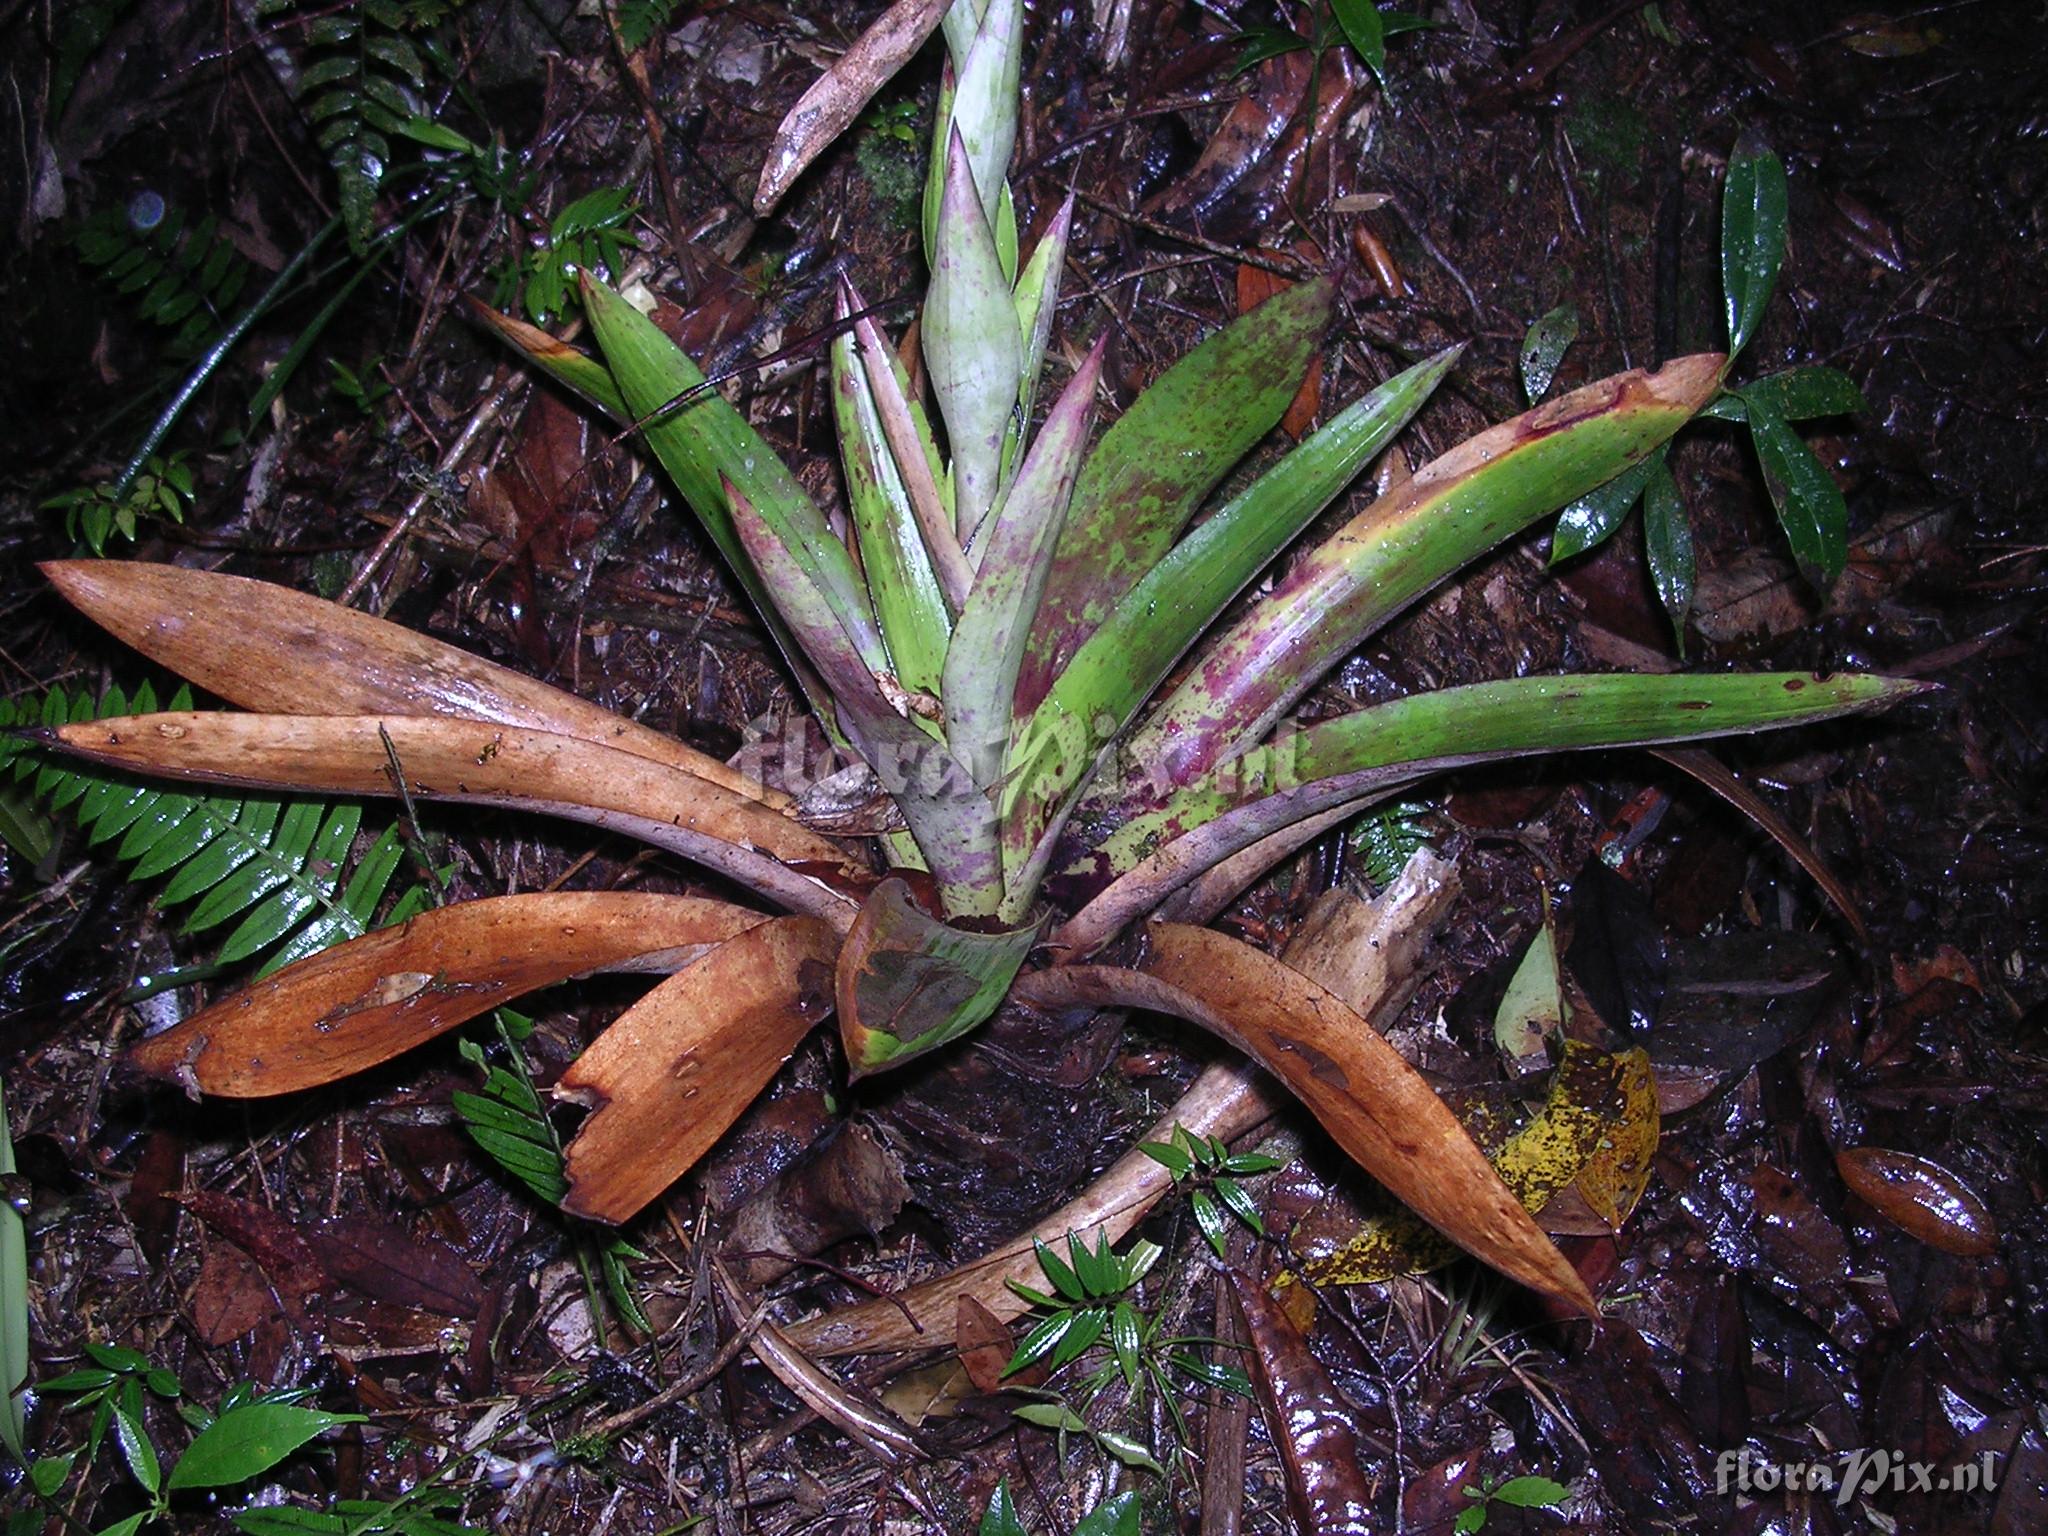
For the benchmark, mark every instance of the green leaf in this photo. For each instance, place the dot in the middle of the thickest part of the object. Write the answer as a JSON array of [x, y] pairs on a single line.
[[1225, 1378], [1014, 560], [1209, 1220], [1797, 394], [1240, 1205], [15, 1359], [1043, 1340], [1809, 503], [1530, 1493], [1052, 1416], [1152, 626], [908, 602], [1000, 1518], [1471, 1518], [1126, 1341], [1544, 347], [1667, 538], [1753, 214], [1037, 295], [1459, 505], [48, 1473], [1087, 1326], [132, 1435], [1246, 1163], [1153, 468], [1118, 1516], [1591, 520], [1173, 1159], [1364, 31], [248, 1441], [1064, 1280], [972, 347]]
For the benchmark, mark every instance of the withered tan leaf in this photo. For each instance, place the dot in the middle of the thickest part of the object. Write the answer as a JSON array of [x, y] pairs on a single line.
[[481, 763], [366, 1001], [680, 1065], [270, 649], [835, 98]]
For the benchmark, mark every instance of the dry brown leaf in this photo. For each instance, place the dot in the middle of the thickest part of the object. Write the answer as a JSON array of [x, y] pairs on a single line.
[[1921, 1198], [270, 649], [365, 1001], [835, 98], [680, 1065], [1376, 1106], [986, 1346], [482, 763]]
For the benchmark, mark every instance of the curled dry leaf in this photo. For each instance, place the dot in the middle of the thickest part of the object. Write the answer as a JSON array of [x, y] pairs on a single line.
[[481, 763], [365, 1001], [270, 649], [1373, 1104], [835, 98], [680, 1065], [1921, 1198], [1309, 1423]]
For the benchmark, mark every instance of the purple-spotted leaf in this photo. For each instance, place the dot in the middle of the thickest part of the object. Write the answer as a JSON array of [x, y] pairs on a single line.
[[1356, 757], [908, 983], [1152, 469], [1038, 293], [680, 1065], [1154, 623], [988, 642], [1455, 508], [363, 1002]]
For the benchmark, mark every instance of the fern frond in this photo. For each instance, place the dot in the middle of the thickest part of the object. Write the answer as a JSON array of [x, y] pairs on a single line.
[[183, 278], [639, 20], [1386, 837], [279, 869]]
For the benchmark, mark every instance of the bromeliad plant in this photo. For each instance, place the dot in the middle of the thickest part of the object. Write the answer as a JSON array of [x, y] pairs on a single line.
[[988, 640]]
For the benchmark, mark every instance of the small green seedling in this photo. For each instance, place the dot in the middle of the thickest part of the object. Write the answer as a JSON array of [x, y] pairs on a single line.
[[95, 513], [1112, 1517], [1515, 1493], [1208, 1162]]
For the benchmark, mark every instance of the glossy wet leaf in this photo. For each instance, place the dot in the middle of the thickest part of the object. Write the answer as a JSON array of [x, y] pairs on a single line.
[[1753, 214], [1119, 1516], [1152, 469], [674, 1070], [1531, 1011], [908, 983], [1544, 347], [1797, 394], [1667, 540], [1000, 1518], [1363, 29], [366, 1001], [1320, 1455], [1808, 501], [249, 1440], [1921, 1198]]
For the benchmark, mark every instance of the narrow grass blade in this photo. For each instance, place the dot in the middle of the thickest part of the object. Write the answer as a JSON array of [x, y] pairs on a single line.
[[1454, 509], [1153, 468], [1343, 761], [908, 983], [988, 644], [1153, 625], [366, 1001], [678, 1067], [971, 343]]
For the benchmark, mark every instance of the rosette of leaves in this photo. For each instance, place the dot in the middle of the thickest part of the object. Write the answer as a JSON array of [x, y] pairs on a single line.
[[991, 642]]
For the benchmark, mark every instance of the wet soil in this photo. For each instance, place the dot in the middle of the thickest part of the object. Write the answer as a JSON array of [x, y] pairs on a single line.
[[1774, 1302]]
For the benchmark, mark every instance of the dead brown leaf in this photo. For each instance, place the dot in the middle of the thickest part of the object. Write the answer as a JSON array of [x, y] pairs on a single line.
[[364, 1002], [678, 1067]]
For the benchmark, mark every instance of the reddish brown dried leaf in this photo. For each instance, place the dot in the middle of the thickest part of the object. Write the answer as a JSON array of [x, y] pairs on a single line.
[[366, 1001], [230, 1296], [273, 1241], [1308, 1422], [479, 762], [1921, 1198], [268, 648], [985, 1346], [389, 1264], [680, 1065]]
